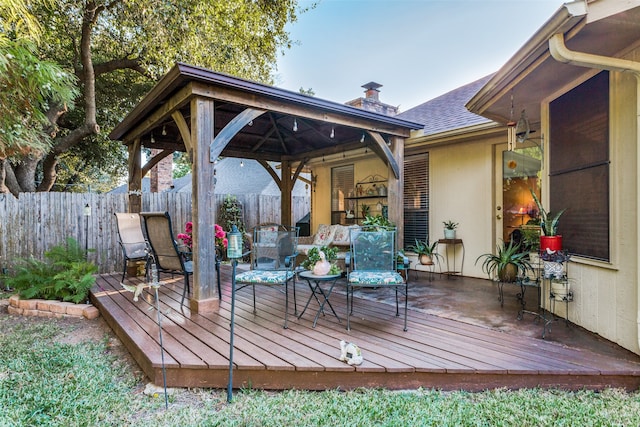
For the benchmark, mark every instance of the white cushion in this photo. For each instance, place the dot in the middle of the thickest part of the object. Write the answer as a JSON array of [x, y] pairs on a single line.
[[324, 236]]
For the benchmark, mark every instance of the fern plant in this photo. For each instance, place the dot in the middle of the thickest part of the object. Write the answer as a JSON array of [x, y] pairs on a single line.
[[65, 274]]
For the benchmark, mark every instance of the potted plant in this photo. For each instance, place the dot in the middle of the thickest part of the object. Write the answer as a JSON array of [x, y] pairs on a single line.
[[425, 251], [505, 263], [377, 222], [554, 263], [549, 237], [330, 255], [450, 229]]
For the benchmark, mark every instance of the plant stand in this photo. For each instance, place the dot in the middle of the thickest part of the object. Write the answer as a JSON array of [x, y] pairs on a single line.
[[451, 251]]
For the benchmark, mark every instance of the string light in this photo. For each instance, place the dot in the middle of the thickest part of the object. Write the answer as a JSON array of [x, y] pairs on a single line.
[[333, 133], [241, 164], [164, 130], [362, 138], [295, 125], [152, 138], [251, 123]]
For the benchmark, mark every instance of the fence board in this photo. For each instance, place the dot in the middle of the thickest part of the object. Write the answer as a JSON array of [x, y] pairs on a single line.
[[34, 222]]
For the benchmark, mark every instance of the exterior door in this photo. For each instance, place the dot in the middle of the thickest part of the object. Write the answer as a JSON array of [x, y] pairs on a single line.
[[517, 174]]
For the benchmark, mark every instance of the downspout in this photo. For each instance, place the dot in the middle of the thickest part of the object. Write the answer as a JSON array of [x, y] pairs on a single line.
[[561, 53]]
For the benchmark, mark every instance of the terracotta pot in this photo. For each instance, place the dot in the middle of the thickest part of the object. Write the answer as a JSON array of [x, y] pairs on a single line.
[[426, 259], [554, 243], [508, 274]]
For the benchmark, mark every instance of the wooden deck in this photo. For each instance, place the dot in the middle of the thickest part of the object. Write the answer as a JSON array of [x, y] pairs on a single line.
[[435, 352]]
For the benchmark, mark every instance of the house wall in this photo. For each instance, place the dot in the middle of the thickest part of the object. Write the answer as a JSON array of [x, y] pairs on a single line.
[[606, 294], [363, 166]]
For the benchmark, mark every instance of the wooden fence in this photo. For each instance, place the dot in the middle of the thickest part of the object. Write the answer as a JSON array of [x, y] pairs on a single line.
[[34, 222]]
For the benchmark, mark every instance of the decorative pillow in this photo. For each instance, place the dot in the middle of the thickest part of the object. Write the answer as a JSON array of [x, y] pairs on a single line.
[[324, 236], [341, 236], [267, 235]]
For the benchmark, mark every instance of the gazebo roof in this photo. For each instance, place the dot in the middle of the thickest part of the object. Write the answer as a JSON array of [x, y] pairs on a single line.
[[294, 127]]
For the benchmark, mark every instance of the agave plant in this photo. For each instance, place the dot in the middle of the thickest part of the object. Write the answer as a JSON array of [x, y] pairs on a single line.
[[506, 262], [548, 222]]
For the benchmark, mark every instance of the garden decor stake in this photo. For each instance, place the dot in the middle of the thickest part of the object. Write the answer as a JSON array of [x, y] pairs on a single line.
[[155, 284]]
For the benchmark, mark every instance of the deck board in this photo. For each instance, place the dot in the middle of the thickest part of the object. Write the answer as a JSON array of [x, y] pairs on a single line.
[[434, 352]]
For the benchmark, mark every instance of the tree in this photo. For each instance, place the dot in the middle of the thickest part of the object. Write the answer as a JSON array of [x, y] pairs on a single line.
[[118, 48]]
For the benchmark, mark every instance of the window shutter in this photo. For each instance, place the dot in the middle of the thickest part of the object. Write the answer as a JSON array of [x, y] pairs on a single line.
[[416, 198]]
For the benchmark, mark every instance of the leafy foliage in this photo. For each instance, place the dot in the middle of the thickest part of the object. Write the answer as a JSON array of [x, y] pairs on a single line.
[[65, 275], [377, 222], [424, 248], [313, 256], [118, 50], [450, 225], [496, 264], [29, 87], [231, 213], [548, 221]]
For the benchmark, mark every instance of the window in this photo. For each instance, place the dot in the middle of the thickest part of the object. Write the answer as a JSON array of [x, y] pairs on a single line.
[[579, 167], [341, 187], [416, 198]]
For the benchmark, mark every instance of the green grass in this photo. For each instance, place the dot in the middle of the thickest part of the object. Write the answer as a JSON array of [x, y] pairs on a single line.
[[45, 382]]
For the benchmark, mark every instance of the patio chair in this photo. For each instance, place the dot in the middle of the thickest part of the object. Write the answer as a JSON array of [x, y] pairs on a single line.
[[134, 245], [168, 258], [273, 262], [372, 263]]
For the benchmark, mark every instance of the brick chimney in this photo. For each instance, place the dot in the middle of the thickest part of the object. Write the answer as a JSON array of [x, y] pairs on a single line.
[[371, 101], [161, 173]]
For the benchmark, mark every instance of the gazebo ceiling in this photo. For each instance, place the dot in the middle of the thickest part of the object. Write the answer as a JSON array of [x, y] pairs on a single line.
[[294, 126]]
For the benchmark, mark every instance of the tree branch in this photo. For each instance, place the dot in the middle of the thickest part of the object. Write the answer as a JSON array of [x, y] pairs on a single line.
[[120, 64]]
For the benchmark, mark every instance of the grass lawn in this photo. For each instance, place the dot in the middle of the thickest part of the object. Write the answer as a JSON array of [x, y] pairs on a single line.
[[52, 373]]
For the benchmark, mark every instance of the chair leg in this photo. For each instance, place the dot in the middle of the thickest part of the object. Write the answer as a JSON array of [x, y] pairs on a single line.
[[286, 303], [124, 270], [254, 299], [349, 309], [186, 289], [218, 276], [406, 304]]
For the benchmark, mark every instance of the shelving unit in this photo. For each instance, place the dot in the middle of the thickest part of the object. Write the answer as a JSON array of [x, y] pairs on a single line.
[[372, 192]]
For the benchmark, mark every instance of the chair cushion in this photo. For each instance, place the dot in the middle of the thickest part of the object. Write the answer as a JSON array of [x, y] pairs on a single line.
[[264, 276], [324, 236], [375, 278]]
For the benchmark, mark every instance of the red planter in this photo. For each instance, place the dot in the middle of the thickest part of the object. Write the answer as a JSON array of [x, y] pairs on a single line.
[[554, 243]]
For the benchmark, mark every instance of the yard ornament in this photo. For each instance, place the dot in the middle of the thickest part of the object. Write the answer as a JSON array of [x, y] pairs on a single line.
[[350, 353], [323, 266]]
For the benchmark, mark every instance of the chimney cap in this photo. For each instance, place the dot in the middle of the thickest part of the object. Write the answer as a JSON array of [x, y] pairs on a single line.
[[371, 85]]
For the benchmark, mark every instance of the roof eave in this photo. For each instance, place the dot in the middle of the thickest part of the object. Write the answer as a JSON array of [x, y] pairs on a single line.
[[523, 62]]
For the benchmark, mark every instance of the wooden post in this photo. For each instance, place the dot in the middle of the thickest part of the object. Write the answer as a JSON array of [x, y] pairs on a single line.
[[204, 297], [285, 193], [396, 190], [135, 176]]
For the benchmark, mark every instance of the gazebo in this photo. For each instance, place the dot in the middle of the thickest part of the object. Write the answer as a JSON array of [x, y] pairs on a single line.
[[208, 115]]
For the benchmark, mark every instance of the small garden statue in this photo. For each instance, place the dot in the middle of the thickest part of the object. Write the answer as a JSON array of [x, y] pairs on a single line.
[[322, 266]]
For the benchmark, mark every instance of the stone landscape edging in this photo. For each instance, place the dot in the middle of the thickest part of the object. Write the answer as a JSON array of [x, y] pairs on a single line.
[[50, 308]]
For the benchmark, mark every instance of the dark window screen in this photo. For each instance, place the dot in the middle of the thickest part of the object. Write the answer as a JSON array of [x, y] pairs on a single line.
[[579, 167]]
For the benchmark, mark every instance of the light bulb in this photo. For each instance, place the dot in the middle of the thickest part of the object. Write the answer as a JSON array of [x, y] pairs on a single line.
[[152, 139], [362, 137], [241, 164], [333, 133], [295, 125], [164, 130]]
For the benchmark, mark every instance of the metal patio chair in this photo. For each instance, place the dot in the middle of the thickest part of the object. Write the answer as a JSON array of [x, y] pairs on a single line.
[[372, 263], [131, 239], [273, 262], [168, 258]]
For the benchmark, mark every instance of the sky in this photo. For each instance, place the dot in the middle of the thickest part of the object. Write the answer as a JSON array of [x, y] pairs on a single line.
[[416, 49]]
